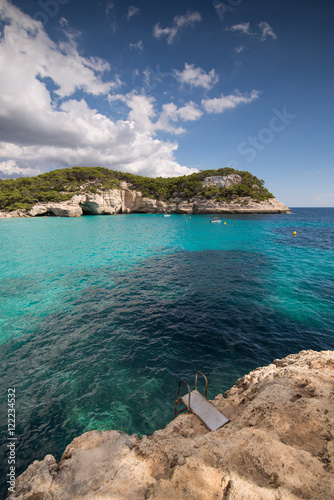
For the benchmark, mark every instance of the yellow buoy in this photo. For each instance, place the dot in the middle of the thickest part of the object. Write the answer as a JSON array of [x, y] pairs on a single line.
[[224, 222], [294, 233]]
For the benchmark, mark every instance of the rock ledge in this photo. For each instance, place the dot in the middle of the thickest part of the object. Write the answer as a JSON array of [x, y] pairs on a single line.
[[278, 445]]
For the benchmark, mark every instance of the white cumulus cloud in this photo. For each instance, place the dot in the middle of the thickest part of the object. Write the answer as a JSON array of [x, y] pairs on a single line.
[[220, 104], [239, 49], [242, 27], [139, 45], [266, 31], [196, 77], [171, 113], [179, 22], [132, 11], [43, 129], [146, 118], [9, 168], [109, 7], [189, 112]]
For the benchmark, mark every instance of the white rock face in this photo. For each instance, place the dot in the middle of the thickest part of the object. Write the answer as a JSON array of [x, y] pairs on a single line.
[[38, 210], [133, 201], [14, 214], [222, 181], [115, 201], [69, 208], [244, 206], [110, 202], [185, 208], [278, 445]]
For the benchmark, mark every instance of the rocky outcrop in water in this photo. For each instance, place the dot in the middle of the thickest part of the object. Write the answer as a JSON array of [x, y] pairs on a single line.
[[278, 445]]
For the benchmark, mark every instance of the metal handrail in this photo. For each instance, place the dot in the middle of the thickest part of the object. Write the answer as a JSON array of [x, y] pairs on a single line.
[[179, 400], [206, 383]]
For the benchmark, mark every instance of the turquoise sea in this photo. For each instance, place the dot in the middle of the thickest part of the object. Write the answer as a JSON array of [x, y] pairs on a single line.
[[101, 316]]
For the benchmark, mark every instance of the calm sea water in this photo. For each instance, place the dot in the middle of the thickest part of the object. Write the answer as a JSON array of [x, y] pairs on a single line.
[[101, 316]]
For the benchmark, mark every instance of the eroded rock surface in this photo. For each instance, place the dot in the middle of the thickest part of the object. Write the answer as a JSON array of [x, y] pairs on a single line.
[[278, 445], [222, 181], [127, 201]]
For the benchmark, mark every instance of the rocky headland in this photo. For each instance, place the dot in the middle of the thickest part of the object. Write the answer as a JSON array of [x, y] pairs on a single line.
[[125, 200], [278, 445], [118, 201]]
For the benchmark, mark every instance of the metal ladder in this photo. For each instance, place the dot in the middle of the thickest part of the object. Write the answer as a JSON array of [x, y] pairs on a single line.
[[199, 405]]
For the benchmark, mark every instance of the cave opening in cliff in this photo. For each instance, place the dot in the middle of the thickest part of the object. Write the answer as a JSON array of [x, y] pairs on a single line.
[[48, 213]]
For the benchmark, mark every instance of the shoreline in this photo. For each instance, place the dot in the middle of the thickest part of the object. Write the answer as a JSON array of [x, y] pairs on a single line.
[[105, 206], [125, 201], [226, 212]]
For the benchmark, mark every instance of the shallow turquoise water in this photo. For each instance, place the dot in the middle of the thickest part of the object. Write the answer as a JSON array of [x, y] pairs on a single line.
[[101, 316]]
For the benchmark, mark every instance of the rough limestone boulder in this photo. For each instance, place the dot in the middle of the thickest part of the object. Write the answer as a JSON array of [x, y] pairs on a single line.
[[69, 208], [278, 445], [107, 203], [14, 214], [38, 210], [66, 210], [56, 209], [134, 201]]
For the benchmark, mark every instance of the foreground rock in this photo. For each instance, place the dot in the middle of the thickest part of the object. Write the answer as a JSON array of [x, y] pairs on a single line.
[[277, 445]]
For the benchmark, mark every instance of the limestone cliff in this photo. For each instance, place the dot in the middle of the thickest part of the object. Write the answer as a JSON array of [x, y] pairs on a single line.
[[278, 445], [116, 201], [76, 191]]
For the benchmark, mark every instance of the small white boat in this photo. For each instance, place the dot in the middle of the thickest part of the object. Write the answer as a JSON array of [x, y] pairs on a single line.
[[166, 215], [215, 220]]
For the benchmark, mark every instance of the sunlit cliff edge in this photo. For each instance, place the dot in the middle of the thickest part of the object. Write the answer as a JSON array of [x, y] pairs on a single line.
[[96, 191], [277, 445]]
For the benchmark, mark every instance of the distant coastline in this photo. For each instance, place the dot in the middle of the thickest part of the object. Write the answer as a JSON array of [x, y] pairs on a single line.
[[116, 202], [96, 191]]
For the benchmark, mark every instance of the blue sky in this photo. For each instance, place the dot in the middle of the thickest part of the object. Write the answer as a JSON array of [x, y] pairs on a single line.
[[169, 88]]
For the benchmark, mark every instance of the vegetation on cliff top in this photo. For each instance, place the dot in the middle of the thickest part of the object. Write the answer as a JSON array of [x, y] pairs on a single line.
[[60, 185]]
